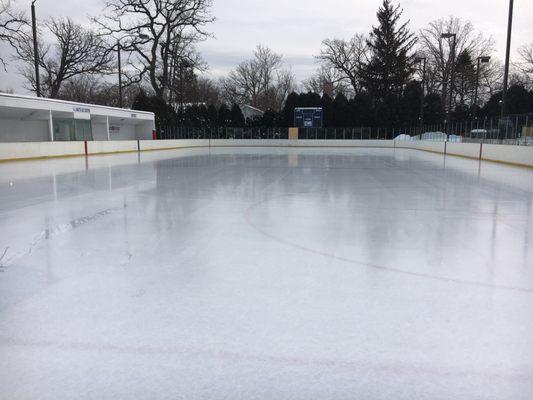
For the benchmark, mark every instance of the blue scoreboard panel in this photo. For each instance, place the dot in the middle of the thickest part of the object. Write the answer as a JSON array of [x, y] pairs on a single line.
[[308, 117]]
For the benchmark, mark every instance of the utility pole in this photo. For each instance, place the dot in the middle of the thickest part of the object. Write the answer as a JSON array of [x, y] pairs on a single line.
[[35, 50], [507, 56], [119, 75], [423, 60], [181, 92], [452, 75], [480, 60]]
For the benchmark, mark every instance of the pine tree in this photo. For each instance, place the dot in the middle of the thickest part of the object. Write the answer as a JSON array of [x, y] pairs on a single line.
[[287, 114], [341, 112], [465, 78], [236, 117], [391, 65], [224, 116], [433, 109], [212, 116]]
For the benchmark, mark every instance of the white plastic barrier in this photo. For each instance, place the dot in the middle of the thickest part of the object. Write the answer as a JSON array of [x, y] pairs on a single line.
[[342, 143], [249, 142], [471, 150], [112, 146], [436, 147], [172, 144], [521, 155], [299, 143], [22, 150]]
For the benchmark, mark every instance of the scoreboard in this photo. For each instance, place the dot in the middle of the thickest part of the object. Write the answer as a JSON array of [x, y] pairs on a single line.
[[308, 117]]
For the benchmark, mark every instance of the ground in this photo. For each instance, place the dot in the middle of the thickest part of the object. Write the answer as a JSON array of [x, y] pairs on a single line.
[[264, 273]]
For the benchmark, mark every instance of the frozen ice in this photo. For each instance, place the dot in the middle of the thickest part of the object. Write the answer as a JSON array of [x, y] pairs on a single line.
[[266, 273]]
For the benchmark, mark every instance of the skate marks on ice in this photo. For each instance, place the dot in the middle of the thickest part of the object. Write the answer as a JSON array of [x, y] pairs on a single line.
[[8, 257]]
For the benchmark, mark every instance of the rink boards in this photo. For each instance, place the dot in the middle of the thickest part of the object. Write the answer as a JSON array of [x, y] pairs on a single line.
[[518, 155]]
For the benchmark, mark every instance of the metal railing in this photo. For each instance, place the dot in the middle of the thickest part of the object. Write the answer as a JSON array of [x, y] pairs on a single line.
[[512, 130], [177, 132]]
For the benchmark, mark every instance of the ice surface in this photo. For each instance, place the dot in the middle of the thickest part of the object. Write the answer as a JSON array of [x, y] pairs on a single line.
[[266, 274]]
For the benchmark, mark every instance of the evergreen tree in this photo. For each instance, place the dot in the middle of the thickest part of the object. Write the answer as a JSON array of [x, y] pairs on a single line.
[[224, 117], [518, 100], [212, 116], [362, 112], [287, 114], [327, 110], [391, 65], [410, 104], [268, 120], [165, 115], [236, 117], [142, 102], [492, 107], [465, 78], [433, 109], [341, 112], [203, 115], [309, 99]]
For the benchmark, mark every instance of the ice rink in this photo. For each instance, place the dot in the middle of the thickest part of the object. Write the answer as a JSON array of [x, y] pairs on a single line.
[[266, 273]]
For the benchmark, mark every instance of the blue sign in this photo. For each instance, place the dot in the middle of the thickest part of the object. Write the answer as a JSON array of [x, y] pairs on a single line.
[[308, 117]]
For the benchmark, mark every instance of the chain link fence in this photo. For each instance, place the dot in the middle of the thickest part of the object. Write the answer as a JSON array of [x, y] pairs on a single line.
[[512, 130], [178, 132]]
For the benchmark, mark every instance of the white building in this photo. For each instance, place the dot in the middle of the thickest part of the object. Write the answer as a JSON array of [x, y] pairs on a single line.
[[250, 112], [34, 119]]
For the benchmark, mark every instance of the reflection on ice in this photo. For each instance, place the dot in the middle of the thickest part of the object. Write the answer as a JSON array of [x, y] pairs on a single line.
[[266, 273]]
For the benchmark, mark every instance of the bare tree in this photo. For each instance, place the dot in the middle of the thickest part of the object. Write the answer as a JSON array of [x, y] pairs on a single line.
[[261, 81], [349, 58], [328, 80], [76, 51], [490, 79], [285, 84], [159, 35], [525, 63], [93, 89], [201, 90], [11, 24], [438, 52]]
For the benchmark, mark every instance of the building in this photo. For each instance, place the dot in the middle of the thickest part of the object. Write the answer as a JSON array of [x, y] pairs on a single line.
[[250, 113], [35, 119]]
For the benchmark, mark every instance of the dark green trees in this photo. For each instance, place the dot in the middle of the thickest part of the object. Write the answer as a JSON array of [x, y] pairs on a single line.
[[391, 64]]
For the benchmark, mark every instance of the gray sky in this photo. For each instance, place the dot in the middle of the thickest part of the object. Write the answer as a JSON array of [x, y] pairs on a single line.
[[296, 28]]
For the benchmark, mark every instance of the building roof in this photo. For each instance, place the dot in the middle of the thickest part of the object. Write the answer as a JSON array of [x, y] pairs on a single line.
[[15, 101]]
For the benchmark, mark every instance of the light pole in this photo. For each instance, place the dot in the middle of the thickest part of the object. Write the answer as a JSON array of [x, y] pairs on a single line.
[[453, 36], [423, 61], [119, 75], [35, 50], [507, 55], [182, 65], [480, 60]]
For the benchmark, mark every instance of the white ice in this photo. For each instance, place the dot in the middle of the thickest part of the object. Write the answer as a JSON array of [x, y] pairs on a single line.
[[265, 273]]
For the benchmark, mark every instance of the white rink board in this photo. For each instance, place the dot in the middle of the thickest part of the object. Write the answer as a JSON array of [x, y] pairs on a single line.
[[471, 150], [298, 143], [343, 143], [520, 155], [12, 151], [172, 144], [112, 146], [511, 154]]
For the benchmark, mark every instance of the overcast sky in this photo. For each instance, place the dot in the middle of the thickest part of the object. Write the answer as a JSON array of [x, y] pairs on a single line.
[[295, 28]]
